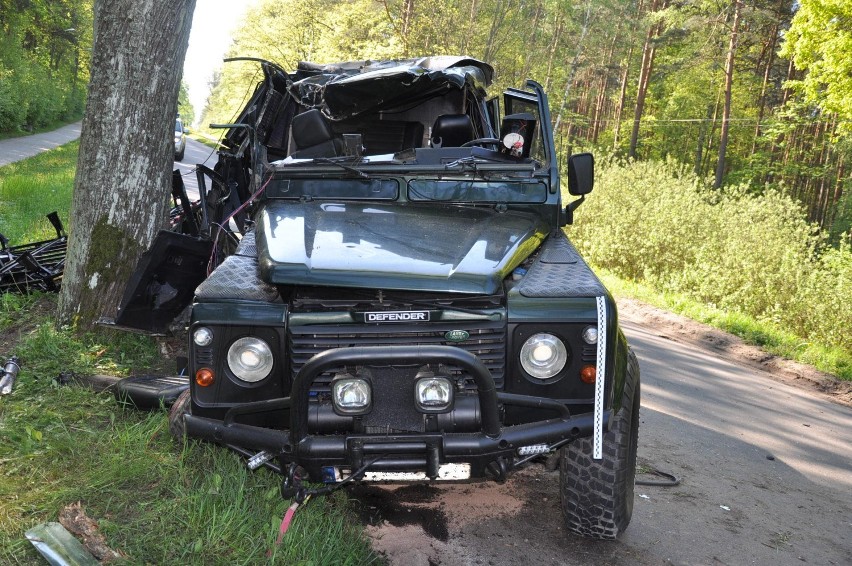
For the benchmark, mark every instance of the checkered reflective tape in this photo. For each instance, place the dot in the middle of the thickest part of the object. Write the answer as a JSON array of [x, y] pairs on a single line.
[[600, 371]]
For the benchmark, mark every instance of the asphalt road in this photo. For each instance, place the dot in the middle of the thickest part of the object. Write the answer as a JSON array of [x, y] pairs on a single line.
[[15, 149], [765, 468], [196, 152]]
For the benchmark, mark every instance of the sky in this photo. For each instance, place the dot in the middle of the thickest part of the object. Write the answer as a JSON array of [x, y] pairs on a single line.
[[212, 25]]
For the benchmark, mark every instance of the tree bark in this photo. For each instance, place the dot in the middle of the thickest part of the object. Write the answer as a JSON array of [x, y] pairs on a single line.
[[622, 96], [647, 66], [729, 81], [604, 82], [572, 70], [123, 180], [554, 43]]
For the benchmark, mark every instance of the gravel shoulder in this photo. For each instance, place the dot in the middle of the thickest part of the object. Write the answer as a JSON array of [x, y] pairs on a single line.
[[682, 330]]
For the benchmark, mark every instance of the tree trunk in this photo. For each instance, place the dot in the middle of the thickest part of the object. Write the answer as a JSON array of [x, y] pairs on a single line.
[[554, 43], [648, 52], [493, 45], [622, 96], [604, 82], [535, 26], [729, 81], [770, 52], [572, 70], [705, 164], [407, 18], [123, 180]]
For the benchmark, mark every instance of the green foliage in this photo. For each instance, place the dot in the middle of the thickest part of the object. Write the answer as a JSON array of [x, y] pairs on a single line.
[[44, 46], [767, 335], [820, 41], [155, 500], [185, 108], [656, 222]]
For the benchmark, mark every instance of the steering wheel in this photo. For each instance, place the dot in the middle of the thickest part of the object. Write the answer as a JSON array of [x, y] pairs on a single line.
[[482, 141]]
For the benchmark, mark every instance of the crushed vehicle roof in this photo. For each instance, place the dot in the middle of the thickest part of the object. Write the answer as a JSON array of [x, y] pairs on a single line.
[[344, 90]]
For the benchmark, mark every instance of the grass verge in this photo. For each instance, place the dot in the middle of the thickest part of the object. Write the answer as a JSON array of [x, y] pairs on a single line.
[[155, 500], [835, 361], [212, 143], [32, 188]]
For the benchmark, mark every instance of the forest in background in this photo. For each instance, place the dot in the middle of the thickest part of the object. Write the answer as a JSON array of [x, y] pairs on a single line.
[[45, 47], [723, 130], [757, 93]]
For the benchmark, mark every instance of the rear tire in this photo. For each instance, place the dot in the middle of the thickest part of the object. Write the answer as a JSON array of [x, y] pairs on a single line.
[[597, 495], [181, 408]]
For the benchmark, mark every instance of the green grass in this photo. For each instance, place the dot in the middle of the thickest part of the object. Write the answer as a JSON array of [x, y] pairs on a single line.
[[158, 501], [32, 188], [768, 336], [203, 138]]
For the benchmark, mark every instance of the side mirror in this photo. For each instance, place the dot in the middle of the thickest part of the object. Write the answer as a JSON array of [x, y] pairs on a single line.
[[186, 130], [581, 174]]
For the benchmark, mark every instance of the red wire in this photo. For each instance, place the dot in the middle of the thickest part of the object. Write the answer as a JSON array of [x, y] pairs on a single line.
[[210, 262]]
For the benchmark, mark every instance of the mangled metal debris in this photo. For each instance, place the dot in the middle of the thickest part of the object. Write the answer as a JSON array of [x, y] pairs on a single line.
[[37, 266]]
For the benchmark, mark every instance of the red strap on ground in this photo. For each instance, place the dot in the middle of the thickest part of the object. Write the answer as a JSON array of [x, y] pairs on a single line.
[[285, 522]]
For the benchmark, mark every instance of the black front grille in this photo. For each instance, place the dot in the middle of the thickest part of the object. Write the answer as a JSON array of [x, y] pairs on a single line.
[[487, 341]]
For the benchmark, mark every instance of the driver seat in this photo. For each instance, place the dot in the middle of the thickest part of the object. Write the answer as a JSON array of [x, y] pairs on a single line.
[[452, 130], [313, 136]]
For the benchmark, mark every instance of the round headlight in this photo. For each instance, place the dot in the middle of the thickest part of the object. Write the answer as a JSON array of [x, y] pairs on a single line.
[[543, 356], [202, 336], [250, 359]]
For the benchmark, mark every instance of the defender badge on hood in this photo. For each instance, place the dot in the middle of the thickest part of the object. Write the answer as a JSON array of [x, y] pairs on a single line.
[[397, 316]]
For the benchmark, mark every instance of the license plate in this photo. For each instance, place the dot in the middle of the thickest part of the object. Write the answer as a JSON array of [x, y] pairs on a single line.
[[446, 472]]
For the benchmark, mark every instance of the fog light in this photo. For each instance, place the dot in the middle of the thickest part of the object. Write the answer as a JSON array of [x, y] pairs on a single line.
[[202, 336], [590, 335], [351, 396], [433, 394]]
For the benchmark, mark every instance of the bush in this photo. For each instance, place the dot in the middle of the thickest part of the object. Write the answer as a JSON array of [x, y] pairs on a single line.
[[654, 221], [12, 110]]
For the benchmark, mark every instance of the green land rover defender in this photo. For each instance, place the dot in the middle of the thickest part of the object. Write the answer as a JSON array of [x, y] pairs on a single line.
[[403, 303]]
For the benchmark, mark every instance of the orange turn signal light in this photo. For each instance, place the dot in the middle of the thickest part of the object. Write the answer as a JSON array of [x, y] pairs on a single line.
[[204, 377], [589, 374]]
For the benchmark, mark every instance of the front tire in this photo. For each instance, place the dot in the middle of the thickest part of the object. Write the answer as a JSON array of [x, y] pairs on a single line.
[[597, 495]]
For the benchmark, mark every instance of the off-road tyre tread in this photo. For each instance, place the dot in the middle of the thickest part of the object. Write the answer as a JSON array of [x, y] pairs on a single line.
[[180, 408], [597, 495]]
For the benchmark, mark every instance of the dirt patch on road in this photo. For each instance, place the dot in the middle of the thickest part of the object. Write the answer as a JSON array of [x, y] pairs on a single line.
[[684, 330]]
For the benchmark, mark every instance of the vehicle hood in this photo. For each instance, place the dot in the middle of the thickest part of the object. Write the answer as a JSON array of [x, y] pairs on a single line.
[[401, 246]]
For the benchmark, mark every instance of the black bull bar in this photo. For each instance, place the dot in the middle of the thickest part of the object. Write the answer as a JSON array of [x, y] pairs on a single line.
[[419, 450]]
